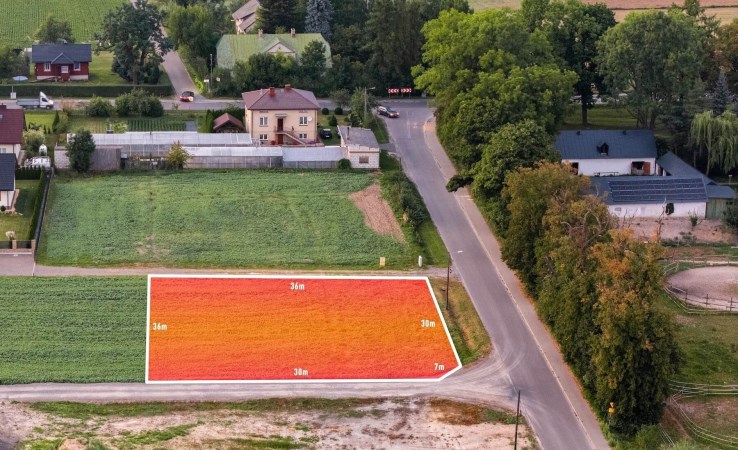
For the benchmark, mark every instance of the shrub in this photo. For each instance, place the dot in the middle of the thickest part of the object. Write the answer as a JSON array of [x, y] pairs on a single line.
[[62, 125], [730, 216], [344, 164], [124, 105], [2, 208], [99, 107], [338, 111], [325, 111], [177, 156], [32, 140], [80, 149], [332, 121], [153, 108], [404, 198]]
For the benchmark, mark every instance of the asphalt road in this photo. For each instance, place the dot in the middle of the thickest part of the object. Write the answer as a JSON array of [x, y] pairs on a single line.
[[551, 399]]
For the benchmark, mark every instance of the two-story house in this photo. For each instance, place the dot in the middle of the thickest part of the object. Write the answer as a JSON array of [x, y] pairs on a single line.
[[62, 61], [12, 124], [608, 152], [282, 116]]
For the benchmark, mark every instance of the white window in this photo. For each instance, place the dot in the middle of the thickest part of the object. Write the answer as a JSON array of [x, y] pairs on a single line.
[[263, 121], [263, 137], [303, 120], [47, 67], [363, 160], [65, 69], [302, 135], [77, 67]]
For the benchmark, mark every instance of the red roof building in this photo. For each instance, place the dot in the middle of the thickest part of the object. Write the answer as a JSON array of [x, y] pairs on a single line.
[[12, 124]]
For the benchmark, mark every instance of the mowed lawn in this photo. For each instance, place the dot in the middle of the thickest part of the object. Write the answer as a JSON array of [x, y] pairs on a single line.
[[72, 329], [22, 18], [214, 219]]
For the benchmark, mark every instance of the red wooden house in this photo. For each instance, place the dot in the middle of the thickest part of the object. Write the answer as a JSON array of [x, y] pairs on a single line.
[[62, 62]]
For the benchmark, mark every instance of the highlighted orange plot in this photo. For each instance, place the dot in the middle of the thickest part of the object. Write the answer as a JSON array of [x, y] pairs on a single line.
[[295, 329]]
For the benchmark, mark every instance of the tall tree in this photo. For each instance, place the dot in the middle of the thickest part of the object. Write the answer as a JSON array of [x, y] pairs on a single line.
[[312, 64], [133, 32], [534, 12], [12, 63], [726, 51], [350, 12], [485, 70], [635, 353], [574, 29], [194, 29], [718, 137], [527, 194], [264, 70], [319, 17], [54, 30], [722, 96], [80, 149], [654, 56], [678, 119], [277, 14]]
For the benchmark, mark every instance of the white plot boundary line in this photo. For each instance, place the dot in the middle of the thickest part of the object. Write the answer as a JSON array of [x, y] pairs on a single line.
[[296, 278]]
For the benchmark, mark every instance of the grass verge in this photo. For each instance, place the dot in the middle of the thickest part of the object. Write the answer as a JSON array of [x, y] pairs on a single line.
[[86, 411], [467, 331]]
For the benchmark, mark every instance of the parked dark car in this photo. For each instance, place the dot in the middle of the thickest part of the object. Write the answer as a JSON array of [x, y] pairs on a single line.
[[326, 133], [388, 112], [187, 96]]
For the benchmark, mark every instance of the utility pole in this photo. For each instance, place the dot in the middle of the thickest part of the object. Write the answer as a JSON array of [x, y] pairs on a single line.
[[448, 277], [517, 419], [210, 85]]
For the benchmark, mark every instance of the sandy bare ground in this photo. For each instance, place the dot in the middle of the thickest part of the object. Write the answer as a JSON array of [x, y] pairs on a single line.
[[680, 229], [708, 287], [377, 212], [385, 424]]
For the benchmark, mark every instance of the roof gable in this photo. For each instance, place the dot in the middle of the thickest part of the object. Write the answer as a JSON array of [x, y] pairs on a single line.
[[248, 9], [586, 144], [287, 98], [49, 53], [7, 171], [677, 167], [12, 123], [225, 119]]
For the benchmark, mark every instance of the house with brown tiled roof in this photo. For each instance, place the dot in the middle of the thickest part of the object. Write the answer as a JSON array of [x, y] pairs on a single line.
[[245, 16], [12, 124], [226, 123], [285, 116]]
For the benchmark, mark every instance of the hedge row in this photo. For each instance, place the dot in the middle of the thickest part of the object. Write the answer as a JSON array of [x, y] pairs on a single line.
[[28, 173], [72, 90], [42, 180]]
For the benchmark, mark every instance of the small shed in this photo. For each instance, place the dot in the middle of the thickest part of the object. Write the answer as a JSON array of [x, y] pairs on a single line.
[[361, 145], [228, 124]]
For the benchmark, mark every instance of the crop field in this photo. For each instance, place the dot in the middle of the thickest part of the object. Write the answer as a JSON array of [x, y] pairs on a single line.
[[72, 329], [725, 10], [21, 18], [295, 329], [214, 219]]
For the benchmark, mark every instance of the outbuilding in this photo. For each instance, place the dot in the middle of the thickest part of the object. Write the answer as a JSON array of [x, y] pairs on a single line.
[[62, 62]]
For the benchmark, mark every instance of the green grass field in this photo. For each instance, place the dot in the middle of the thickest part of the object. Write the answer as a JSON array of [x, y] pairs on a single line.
[[93, 329], [21, 223], [709, 344], [72, 329], [22, 18], [215, 219]]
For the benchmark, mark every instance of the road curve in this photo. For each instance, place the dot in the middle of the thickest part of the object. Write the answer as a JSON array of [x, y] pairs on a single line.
[[551, 398]]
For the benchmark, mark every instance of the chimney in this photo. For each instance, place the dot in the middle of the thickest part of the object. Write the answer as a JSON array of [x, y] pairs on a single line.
[[261, 33], [287, 87], [271, 92], [292, 32]]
